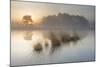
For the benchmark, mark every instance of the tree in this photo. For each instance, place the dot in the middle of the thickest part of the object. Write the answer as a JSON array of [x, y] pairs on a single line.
[[27, 19]]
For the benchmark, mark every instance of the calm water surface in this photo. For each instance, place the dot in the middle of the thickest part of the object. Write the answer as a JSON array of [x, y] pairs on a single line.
[[24, 49]]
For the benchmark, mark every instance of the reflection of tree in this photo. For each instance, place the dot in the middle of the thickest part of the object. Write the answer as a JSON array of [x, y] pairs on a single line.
[[28, 35]]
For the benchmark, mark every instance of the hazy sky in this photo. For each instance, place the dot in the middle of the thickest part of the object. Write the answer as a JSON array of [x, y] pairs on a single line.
[[38, 10]]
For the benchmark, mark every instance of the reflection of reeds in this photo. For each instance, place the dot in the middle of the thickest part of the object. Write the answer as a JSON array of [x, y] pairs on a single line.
[[38, 47], [57, 41], [54, 41], [75, 37], [46, 44], [65, 38]]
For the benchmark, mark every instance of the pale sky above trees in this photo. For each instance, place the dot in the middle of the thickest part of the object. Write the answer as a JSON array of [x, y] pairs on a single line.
[[39, 10]]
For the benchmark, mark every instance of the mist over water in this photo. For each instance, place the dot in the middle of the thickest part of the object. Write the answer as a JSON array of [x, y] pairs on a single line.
[[44, 46]]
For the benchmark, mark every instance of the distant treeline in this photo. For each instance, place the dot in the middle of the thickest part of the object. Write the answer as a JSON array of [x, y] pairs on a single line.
[[61, 20]]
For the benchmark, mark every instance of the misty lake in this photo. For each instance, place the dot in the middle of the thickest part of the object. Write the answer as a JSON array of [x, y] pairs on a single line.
[[35, 47]]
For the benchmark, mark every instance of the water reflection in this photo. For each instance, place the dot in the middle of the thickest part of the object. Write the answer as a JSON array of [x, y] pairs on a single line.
[[50, 40], [55, 42], [38, 47], [51, 46], [28, 35]]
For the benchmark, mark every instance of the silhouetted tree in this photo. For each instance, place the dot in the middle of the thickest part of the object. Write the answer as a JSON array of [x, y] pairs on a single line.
[[27, 19]]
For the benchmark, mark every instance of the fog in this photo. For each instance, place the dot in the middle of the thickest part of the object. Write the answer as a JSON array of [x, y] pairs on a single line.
[[38, 10]]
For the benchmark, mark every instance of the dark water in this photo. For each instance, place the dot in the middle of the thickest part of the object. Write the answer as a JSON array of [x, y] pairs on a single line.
[[41, 47]]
